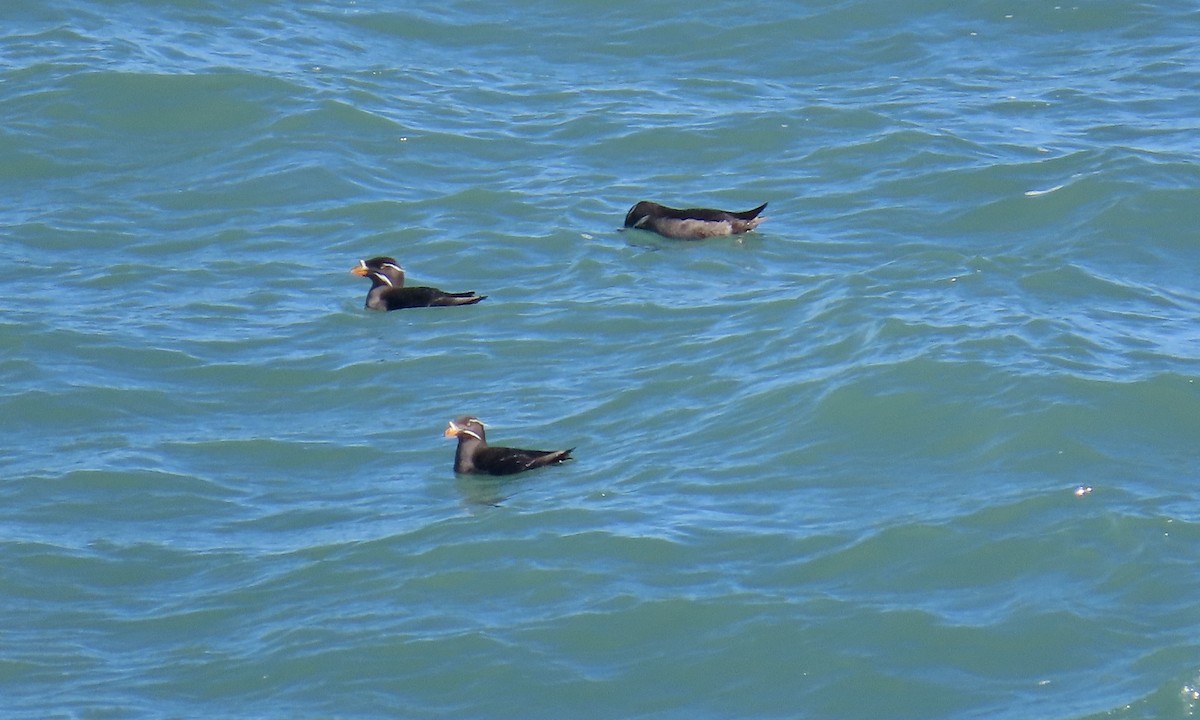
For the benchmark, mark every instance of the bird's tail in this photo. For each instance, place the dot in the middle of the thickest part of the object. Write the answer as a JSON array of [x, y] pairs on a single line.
[[750, 214], [556, 457], [463, 298]]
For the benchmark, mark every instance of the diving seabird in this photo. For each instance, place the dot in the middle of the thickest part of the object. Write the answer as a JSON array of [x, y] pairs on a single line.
[[691, 223]]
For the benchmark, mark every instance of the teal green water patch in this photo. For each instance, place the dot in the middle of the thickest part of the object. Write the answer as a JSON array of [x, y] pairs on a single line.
[[172, 105]]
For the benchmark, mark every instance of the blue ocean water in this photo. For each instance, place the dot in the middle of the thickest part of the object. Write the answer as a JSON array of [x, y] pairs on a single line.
[[923, 446]]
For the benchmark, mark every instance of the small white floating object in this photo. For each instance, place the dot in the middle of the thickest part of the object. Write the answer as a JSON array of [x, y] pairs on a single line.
[[1083, 490], [1047, 191]]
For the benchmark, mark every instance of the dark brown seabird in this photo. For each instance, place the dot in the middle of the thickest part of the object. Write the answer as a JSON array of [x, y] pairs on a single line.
[[388, 292], [474, 455], [691, 223]]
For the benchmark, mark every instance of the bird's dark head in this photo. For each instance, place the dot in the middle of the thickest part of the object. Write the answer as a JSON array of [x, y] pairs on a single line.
[[384, 266], [640, 213], [468, 426]]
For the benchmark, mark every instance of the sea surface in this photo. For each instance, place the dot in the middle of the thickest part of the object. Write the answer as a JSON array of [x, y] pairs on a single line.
[[926, 445]]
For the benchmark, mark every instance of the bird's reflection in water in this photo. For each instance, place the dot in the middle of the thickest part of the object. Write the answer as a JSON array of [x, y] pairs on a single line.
[[482, 491]]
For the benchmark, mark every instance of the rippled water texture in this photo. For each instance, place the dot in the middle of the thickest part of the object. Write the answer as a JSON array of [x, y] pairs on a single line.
[[924, 446]]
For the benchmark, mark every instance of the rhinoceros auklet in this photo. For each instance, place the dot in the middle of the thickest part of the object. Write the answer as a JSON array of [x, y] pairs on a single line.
[[691, 223], [474, 455], [388, 291]]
